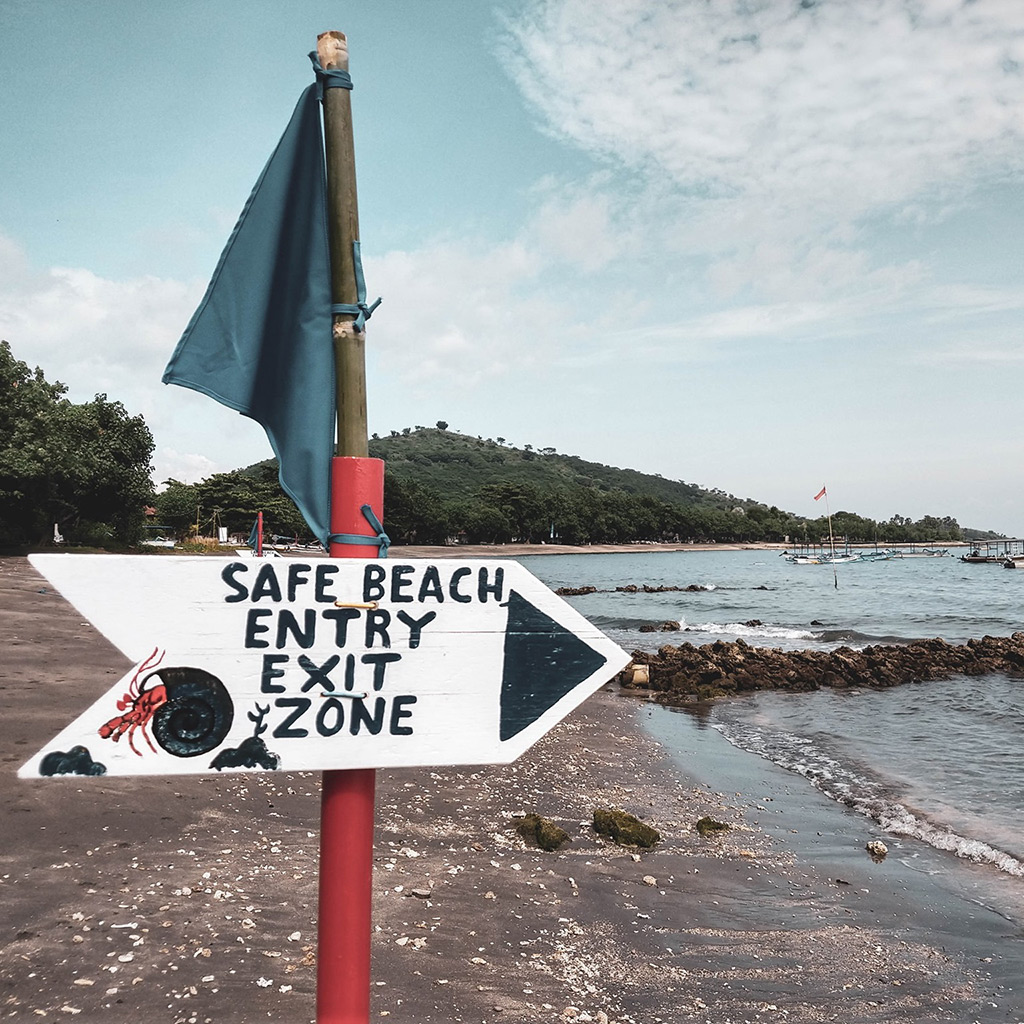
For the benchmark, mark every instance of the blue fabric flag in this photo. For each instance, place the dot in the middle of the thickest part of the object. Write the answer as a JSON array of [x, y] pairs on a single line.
[[260, 341]]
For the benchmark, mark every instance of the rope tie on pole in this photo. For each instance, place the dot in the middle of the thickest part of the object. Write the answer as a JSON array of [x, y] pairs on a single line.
[[329, 78], [382, 540], [359, 310]]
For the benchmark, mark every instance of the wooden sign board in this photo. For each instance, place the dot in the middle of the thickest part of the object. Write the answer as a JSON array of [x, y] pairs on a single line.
[[290, 665]]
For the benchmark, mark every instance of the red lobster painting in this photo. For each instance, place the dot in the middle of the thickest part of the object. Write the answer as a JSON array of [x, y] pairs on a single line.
[[189, 710]]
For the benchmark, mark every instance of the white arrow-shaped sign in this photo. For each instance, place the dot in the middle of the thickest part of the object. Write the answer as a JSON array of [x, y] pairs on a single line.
[[320, 664]]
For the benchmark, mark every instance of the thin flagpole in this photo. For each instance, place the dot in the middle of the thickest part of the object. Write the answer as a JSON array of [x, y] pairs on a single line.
[[831, 541], [823, 493]]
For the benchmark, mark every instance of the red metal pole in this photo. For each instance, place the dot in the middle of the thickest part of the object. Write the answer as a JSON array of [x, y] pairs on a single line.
[[347, 801], [259, 534]]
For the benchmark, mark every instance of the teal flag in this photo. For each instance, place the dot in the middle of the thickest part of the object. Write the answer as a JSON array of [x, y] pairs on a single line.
[[260, 341]]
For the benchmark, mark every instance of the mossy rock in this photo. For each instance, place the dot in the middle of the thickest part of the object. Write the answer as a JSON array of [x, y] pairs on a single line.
[[708, 828], [542, 831], [623, 828]]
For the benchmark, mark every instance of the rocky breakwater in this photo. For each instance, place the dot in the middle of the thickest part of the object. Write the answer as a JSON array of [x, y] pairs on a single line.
[[723, 668]]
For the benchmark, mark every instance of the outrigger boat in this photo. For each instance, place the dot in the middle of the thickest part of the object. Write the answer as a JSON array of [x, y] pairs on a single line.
[[995, 552], [823, 558], [923, 553]]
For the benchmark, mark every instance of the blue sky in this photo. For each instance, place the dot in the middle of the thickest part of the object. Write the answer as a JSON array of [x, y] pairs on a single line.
[[751, 245]]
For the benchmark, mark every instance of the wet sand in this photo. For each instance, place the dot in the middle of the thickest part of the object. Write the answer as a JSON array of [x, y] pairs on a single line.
[[515, 550], [194, 900]]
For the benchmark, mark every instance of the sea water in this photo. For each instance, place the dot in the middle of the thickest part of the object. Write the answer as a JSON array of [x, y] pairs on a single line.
[[940, 763]]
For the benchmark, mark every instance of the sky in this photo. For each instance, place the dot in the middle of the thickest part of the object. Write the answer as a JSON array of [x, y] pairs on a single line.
[[757, 245]]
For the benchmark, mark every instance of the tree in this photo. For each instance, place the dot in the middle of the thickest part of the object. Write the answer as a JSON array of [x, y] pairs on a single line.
[[177, 507], [442, 425], [84, 467], [522, 505]]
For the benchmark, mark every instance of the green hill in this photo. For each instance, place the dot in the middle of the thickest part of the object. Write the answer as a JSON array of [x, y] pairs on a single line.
[[443, 486], [459, 465]]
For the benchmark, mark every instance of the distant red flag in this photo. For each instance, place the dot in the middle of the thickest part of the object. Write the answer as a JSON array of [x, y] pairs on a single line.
[[820, 494]]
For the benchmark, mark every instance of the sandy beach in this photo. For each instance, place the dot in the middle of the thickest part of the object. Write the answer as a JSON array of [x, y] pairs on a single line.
[[516, 550], [194, 900]]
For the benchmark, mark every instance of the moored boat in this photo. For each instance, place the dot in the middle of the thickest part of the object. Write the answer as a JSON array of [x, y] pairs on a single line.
[[995, 552]]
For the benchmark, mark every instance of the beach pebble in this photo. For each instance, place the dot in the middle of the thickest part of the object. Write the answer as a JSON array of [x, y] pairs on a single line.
[[877, 849], [650, 880]]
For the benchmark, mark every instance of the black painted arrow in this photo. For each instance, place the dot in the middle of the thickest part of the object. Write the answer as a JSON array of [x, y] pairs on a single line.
[[543, 662]]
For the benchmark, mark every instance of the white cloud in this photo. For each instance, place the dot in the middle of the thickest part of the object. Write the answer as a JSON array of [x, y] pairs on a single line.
[[459, 312], [188, 467], [767, 131], [856, 104], [581, 226], [958, 300], [98, 335], [93, 334]]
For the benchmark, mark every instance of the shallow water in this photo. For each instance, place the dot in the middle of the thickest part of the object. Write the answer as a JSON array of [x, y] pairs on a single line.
[[795, 606], [939, 763]]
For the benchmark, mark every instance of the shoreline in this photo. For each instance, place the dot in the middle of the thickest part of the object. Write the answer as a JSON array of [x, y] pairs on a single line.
[[495, 551], [204, 889], [518, 550]]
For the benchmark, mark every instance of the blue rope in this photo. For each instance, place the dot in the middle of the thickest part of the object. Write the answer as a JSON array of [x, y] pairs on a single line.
[[382, 540], [359, 310], [333, 78]]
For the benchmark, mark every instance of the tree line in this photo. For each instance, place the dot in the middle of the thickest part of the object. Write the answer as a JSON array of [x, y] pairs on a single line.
[[415, 513], [500, 513]]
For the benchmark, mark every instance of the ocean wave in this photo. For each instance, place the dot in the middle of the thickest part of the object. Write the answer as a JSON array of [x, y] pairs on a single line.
[[747, 630], [756, 633], [860, 792], [900, 821], [743, 629]]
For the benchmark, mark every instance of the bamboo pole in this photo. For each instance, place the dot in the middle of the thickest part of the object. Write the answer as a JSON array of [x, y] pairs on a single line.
[[343, 230]]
